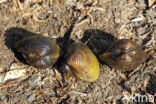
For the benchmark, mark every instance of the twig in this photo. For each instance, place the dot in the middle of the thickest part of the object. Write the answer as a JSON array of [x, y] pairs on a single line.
[[79, 24]]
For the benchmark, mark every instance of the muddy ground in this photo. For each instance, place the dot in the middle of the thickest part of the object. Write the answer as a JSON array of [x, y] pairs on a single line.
[[83, 21]]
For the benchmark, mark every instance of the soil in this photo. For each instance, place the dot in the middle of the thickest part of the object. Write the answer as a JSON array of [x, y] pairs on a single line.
[[96, 23]]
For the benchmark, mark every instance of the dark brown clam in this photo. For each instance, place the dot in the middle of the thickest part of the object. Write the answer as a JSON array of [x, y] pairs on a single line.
[[124, 55], [38, 51]]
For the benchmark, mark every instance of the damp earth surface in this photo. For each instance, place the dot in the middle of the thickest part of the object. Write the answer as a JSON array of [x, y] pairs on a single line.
[[96, 23]]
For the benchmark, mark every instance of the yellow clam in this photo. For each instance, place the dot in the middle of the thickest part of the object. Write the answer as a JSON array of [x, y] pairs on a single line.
[[82, 62]]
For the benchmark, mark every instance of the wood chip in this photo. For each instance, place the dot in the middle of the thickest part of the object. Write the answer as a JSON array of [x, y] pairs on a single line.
[[14, 74], [123, 76], [2, 1], [151, 2], [1, 69], [137, 19]]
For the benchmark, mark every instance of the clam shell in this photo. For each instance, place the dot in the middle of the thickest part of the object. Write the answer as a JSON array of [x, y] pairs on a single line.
[[82, 62], [38, 51]]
